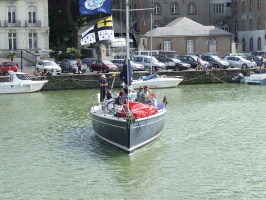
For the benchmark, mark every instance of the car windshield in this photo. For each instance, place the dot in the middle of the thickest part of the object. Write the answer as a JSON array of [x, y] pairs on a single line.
[[153, 59], [194, 57], [176, 60], [107, 62], [72, 61], [49, 63], [9, 64], [217, 58]]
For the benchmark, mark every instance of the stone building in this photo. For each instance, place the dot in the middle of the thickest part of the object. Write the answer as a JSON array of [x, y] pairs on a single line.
[[24, 28], [186, 36]]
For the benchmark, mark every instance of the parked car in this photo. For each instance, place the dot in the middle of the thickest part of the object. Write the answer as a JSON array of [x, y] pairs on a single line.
[[85, 62], [149, 62], [235, 54], [48, 65], [259, 53], [256, 59], [192, 60], [69, 65], [8, 65], [102, 65], [238, 62], [174, 63], [120, 62], [215, 61]]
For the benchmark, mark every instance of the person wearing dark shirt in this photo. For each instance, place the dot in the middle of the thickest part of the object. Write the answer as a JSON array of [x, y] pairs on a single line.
[[109, 93], [103, 86]]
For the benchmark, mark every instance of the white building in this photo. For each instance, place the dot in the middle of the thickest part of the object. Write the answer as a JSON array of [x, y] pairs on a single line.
[[24, 28]]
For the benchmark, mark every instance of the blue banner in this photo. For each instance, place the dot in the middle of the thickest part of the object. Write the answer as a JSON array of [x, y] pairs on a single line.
[[90, 7]]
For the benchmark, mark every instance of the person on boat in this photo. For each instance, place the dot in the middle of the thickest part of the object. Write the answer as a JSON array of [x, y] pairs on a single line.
[[118, 100], [147, 96], [126, 96], [109, 93], [139, 92], [103, 86]]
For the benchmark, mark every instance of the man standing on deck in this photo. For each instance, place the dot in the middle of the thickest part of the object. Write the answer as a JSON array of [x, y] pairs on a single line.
[[103, 86]]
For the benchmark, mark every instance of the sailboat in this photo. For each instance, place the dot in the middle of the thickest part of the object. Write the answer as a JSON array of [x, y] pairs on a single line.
[[132, 125]]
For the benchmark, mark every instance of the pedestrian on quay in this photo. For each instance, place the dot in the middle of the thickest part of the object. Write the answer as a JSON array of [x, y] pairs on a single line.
[[199, 66], [79, 63], [103, 86]]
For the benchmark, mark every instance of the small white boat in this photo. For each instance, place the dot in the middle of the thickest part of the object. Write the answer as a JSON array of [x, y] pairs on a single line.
[[19, 82], [252, 79], [256, 79], [156, 81]]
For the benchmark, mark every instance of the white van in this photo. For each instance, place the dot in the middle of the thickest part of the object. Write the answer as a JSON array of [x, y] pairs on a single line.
[[147, 53], [148, 62]]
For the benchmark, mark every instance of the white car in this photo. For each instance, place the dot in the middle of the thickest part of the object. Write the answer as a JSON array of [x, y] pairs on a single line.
[[48, 65], [149, 62], [120, 62], [239, 62]]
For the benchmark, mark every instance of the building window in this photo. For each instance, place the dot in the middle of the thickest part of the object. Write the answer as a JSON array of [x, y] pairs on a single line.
[[244, 44], [32, 40], [218, 8], [11, 14], [243, 6], [236, 7], [259, 43], [243, 25], [190, 46], [157, 9], [191, 8], [167, 45], [251, 5], [259, 4], [259, 23], [222, 26], [156, 24], [251, 24], [251, 44], [32, 14], [12, 40], [174, 9]]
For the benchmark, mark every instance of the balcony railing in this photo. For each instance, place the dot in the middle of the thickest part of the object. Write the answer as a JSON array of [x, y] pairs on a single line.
[[30, 23], [15, 23]]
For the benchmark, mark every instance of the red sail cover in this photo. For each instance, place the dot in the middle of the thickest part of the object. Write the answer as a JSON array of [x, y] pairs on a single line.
[[139, 110]]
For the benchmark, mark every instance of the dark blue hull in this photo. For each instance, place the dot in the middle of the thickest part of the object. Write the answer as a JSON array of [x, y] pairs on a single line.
[[128, 136]]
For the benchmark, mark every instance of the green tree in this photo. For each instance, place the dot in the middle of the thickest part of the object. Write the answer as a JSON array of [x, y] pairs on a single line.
[[10, 55], [65, 21]]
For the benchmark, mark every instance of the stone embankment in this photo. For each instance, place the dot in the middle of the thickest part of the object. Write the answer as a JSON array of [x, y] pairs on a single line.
[[91, 80]]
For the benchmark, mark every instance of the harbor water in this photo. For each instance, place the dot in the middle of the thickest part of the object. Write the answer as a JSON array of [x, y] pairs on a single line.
[[213, 146]]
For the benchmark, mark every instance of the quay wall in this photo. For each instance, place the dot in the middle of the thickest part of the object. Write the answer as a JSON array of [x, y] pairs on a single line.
[[91, 80]]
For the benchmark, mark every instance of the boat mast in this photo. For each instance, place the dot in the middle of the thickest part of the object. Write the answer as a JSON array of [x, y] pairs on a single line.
[[127, 38]]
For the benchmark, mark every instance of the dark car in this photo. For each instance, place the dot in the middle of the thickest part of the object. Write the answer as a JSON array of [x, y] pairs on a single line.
[[103, 66], [86, 61], [174, 63], [8, 65], [192, 60], [215, 61], [68, 65]]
